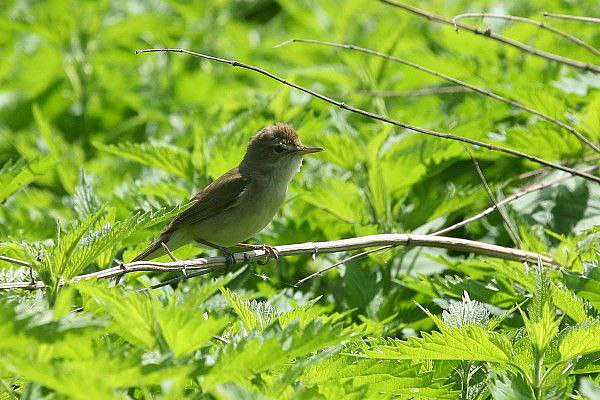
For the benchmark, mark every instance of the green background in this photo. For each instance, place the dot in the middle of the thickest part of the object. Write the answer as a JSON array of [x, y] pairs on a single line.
[[100, 147]]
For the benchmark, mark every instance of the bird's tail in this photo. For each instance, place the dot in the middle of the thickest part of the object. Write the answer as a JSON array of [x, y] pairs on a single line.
[[156, 248]]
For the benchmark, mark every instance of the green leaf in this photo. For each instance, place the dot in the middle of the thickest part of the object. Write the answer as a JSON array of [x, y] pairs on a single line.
[[580, 339], [471, 342], [14, 176], [131, 313], [251, 315], [169, 158]]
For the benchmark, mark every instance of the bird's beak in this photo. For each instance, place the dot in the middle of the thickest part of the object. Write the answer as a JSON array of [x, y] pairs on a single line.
[[308, 150]]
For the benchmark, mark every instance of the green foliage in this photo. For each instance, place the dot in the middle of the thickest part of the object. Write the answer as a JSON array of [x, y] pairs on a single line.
[[100, 148]]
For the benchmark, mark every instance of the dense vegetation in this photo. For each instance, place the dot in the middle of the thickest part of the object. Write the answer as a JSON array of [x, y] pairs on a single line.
[[99, 147]]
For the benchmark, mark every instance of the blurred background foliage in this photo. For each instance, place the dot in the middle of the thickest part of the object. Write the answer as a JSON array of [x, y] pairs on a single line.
[[99, 147]]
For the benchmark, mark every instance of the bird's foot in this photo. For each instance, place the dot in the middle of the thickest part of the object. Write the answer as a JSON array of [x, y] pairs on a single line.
[[270, 251], [229, 258], [174, 259]]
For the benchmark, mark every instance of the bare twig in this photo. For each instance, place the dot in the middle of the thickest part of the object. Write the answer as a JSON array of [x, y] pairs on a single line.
[[209, 264], [541, 25], [532, 188], [344, 261], [15, 261], [425, 91], [489, 34], [483, 91], [509, 227], [380, 117], [572, 17]]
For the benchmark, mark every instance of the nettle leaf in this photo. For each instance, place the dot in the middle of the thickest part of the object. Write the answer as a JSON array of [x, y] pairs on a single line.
[[131, 313], [543, 329], [270, 350], [169, 158], [580, 339], [373, 378], [471, 342], [185, 329], [303, 314], [85, 199], [97, 237], [339, 198], [569, 303], [60, 262], [16, 175], [184, 324], [253, 314]]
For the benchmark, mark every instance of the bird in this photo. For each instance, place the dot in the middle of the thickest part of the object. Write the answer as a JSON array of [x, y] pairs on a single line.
[[241, 202]]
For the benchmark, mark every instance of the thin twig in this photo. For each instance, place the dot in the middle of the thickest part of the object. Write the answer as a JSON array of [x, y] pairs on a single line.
[[489, 34], [481, 90], [380, 117], [572, 17], [344, 261], [176, 279], [15, 261], [509, 227], [209, 264], [425, 91], [522, 192], [541, 25]]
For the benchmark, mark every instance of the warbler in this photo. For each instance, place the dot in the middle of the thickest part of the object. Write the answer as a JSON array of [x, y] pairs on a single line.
[[242, 201]]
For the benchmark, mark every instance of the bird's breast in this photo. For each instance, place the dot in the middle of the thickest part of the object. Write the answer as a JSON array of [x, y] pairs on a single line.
[[256, 208]]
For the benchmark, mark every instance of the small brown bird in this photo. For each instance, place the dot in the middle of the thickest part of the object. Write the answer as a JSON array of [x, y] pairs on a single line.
[[242, 201]]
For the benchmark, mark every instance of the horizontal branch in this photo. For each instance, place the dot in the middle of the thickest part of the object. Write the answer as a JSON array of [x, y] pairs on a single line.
[[477, 89], [502, 39], [335, 246], [541, 25], [380, 117]]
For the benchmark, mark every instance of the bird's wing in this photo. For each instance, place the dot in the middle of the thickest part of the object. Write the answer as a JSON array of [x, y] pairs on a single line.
[[217, 197]]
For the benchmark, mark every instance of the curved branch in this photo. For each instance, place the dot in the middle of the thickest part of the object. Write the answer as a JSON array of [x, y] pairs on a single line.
[[380, 117], [487, 33], [483, 91], [208, 264], [541, 25]]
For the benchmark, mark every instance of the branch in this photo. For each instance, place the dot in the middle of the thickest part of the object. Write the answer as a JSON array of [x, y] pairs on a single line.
[[496, 206], [489, 34], [209, 264], [484, 91], [541, 25], [15, 261], [424, 91], [379, 116], [512, 232], [572, 17], [511, 198]]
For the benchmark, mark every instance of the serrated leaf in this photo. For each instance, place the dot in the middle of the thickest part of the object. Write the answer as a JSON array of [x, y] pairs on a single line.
[[470, 342], [169, 158], [580, 339]]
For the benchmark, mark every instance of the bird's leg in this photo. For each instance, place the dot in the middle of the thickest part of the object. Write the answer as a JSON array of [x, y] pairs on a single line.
[[173, 258], [271, 251], [229, 257]]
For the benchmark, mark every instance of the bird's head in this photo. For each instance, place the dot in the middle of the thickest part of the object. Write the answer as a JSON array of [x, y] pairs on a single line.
[[277, 147]]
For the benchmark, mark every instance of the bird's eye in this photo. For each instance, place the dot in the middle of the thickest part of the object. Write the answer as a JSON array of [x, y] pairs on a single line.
[[279, 148]]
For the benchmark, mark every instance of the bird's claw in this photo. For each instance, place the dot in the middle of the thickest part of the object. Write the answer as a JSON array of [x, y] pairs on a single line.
[[229, 258], [270, 251]]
